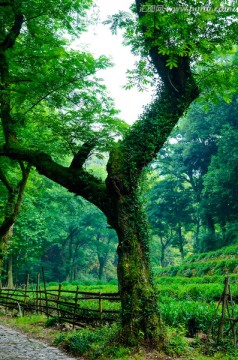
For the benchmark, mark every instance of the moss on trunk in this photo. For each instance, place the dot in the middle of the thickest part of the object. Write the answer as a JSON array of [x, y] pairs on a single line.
[[140, 317]]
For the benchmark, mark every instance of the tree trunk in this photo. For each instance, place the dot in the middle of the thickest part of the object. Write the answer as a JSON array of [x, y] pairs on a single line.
[[162, 256], [180, 238], [139, 317], [197, 234], [211, 238], [102, 255], [4, 242]]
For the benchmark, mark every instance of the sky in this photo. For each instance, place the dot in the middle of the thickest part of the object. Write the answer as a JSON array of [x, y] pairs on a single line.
[[100, 41]]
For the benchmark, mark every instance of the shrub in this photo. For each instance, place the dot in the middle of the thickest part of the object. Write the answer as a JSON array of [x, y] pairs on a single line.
[[175, 342], [179, 313], [52, 322], [94, 342]]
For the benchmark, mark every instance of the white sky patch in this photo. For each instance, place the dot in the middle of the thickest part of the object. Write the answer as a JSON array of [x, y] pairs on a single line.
[[100, 41]]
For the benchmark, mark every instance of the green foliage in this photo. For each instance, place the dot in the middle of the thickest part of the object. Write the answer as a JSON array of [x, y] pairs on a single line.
[[187, 29], [220, 267], [71, 241], [193, 197], [228, 252], [212, 266], [54, 85], [175, 342], [52, 321], [100, 343]]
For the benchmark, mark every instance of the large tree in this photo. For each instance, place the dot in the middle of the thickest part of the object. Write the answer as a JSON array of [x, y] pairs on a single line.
[[39, 76]]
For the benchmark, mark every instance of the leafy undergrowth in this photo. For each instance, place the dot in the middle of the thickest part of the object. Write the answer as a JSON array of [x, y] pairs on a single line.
[[102, 343]]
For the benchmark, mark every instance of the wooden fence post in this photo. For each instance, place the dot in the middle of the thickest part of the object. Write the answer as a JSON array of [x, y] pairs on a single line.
[[46, 298], [37, 293], [100, 306], [75, 305], [232, 320], [224, 308], [7, 299], [40, 300], [58, 300], [26, 289]]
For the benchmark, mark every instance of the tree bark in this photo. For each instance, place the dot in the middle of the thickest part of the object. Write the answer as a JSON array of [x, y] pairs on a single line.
[[102, 256], [180, 238], [139, 317], [211, 237], [4, 242], [162, 256]]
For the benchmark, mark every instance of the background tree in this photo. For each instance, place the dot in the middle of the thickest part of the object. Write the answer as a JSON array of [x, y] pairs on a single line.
[[170, 213], [220, 185], [13, 191]]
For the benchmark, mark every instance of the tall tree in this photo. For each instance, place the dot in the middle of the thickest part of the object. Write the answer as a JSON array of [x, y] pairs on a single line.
[[170, 44]]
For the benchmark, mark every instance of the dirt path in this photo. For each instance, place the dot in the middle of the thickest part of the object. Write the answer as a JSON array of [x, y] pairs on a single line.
[[17, 346]]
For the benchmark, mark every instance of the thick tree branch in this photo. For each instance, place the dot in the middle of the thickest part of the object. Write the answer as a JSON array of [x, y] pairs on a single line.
[[5, 181], [77, 181], [178, 79], [83, 154], [146, 137], [14, 32]]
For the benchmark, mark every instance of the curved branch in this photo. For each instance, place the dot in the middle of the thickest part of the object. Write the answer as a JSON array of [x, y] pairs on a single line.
[[175, 79], [83, 154], [5, 181], [77, 181]]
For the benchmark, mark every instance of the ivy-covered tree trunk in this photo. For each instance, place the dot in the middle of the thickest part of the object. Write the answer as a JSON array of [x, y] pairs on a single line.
[[140, 318], [4, 243]]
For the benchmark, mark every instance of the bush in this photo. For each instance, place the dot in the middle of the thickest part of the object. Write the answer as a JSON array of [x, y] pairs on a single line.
[[175, 342], [93, 342], [179, 313], [52, 322]]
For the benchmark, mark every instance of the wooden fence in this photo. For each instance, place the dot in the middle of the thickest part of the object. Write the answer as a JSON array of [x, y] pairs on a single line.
[[74, 307]]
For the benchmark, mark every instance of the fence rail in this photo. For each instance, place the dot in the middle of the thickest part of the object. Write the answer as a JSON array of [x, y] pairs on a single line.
[[75, 307]]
